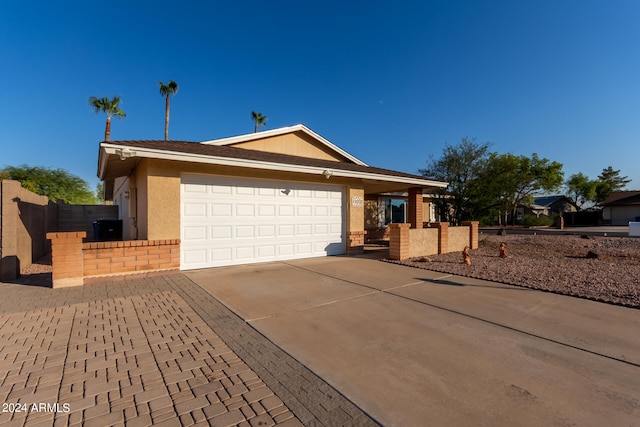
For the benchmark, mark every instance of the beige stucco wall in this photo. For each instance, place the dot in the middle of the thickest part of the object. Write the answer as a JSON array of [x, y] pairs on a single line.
[[158, 187], [458, 238], [423, 242], [295, 144], [26, 217], [355, 209]]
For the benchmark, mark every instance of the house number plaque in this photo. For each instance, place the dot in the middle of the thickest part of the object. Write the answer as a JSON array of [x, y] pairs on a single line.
[[356, 201]]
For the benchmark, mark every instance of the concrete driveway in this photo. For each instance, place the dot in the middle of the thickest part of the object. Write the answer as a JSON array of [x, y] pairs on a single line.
[[413, 347]]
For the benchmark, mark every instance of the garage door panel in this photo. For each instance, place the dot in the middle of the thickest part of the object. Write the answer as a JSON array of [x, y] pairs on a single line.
[[267, 231], [267, 210], [227, 221], [218, 189], [286, 230], [221, 232], [195, 233], [303, 211], [245, 231], [303, 230], [195, 209], [222, 210]]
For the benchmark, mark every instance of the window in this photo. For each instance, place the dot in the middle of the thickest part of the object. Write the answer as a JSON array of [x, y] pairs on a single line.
[[392, 210]]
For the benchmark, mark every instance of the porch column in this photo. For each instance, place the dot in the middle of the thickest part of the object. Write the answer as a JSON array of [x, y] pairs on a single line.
[[67, 259], [443, 237], [415, 207], [473, 233], [399, 241]]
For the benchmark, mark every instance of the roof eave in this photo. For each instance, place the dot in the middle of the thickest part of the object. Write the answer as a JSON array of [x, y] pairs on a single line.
[[116, 150]]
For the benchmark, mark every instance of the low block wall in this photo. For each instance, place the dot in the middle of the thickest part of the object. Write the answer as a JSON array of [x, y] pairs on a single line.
[[423, 241], [74, 262], [440, 238], [133, 256], [458, 238]]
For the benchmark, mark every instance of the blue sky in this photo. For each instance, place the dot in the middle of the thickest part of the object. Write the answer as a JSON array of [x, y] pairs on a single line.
[[389, 82]]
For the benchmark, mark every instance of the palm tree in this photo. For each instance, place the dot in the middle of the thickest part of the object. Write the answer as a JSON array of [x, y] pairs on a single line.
[[167, 90], [108, 106], [259, 119]]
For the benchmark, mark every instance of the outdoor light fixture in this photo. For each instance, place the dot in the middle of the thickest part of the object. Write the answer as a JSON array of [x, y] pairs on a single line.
[[125, 153], [327, 173]]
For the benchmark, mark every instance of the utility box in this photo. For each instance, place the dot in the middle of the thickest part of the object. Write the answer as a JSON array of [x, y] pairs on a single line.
[[106, 230], [634, 229]]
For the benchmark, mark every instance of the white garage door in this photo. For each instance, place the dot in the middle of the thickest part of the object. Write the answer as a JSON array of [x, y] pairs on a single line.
[[228, 221]]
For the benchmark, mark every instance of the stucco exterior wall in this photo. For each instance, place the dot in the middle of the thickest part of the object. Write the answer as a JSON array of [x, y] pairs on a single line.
[[423, 242], [458, 238], [296, 144], [158, 188], [25, 217], [355, 209]]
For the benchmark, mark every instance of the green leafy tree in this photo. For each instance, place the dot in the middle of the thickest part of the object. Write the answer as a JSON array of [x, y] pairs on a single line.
[[167, 90], [461, 166], [99, 194], [259, 120], [581, 189], [56, 184], [111, 107], [609, 181], [514, 180]]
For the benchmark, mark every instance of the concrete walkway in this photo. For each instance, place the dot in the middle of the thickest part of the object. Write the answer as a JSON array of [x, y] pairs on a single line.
[[413, 347], [154, 351]]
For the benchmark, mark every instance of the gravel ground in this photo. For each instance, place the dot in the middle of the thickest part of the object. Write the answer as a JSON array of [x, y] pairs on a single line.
[[38, 273], [558, 264]]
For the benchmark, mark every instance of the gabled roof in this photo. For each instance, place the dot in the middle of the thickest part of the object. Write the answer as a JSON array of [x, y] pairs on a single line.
[[622, 198], [119, 158], [282, 131], [547, 201]]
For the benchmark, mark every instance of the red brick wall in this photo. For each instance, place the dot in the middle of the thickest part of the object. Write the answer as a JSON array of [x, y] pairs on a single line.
[[66, 258], [399, 241], [356, 242], [132, 256], [74, 262]]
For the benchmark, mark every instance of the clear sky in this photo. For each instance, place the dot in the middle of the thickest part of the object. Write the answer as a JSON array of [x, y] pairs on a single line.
[[388, 81]]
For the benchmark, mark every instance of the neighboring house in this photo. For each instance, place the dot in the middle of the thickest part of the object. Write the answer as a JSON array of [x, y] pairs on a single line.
[[551, 206], [275, 195], [621, 207]]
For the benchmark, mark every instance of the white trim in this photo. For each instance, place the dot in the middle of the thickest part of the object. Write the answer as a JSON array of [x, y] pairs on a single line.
[[258, 164], [281, 131]]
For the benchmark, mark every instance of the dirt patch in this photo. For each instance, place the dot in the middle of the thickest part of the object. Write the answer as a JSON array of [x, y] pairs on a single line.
[[38, 273], [599, 268]]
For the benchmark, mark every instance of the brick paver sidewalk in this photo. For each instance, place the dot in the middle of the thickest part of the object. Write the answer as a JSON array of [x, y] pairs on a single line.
[[152, 351]]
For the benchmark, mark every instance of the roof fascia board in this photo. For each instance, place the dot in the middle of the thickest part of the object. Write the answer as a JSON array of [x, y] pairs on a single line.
[[281, 131], [102, 162], [257, 164]]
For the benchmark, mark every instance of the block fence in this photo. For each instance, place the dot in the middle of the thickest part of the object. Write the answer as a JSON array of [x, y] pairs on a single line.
[[406, 242], [75, 263]]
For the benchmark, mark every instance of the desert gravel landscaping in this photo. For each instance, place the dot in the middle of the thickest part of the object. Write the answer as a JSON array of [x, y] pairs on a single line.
[[604, 269]]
